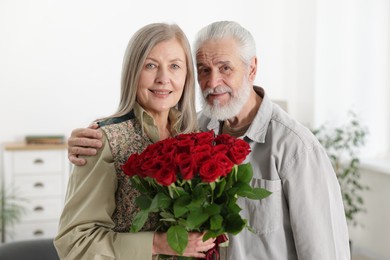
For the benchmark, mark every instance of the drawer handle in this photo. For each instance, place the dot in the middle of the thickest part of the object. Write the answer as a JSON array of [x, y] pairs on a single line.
[[38, 208], [38, 161], [38, 232], [38, 185]]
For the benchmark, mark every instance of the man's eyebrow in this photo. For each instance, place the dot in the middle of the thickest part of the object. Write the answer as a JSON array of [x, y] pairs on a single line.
[[222, 62]]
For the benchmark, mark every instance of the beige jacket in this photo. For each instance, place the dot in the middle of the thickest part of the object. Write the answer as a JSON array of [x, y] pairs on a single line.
[[99, 203]]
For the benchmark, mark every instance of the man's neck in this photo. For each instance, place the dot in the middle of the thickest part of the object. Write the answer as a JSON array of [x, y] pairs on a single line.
[[247, 113]]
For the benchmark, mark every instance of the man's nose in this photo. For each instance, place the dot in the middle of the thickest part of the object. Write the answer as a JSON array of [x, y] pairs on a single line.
[[214, 79]]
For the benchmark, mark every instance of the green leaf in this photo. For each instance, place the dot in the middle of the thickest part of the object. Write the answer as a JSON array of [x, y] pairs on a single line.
[[210, 234], [220, 188], [230, 177], [167, 216], [177, 237], [234, 223], [242, 189], [160, 201], [212, 209], [180, 206], [143, 202], [139, 221], [216, 222], [139, 184], [196, 218], [258, 194], [199, 196], [245, 173], [233, 207]]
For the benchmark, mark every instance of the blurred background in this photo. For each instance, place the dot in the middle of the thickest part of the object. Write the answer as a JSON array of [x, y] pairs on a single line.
[[60, 66]]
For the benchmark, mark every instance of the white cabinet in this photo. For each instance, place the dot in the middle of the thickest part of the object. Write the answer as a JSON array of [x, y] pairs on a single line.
[[38, 174]]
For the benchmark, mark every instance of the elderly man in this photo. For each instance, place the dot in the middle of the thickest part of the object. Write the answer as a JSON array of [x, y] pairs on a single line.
[[304, 217]]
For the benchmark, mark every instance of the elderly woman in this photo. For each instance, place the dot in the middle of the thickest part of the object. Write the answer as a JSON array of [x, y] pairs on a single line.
[[156, 102]]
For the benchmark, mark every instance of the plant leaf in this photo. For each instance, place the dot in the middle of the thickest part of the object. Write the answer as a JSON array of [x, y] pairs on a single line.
[[177, 237], [212, 209], [196, 218], [179, 206], [245, 173], [257, 193], [234, 224], [216, 222], [143, 202], [220, 188], [139, 221], [160, 201]]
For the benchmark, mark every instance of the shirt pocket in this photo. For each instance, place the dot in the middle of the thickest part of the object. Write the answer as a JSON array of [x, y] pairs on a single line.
[[265, 215]]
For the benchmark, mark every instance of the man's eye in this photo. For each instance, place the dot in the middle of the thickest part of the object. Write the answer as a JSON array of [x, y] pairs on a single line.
[[202, 70], [225, 68]]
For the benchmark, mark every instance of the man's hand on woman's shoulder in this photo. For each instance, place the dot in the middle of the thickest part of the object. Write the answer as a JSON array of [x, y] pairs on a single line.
[[84, 142]]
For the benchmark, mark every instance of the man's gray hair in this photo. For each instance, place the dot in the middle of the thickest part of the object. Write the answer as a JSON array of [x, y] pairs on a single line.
[[228, 29]]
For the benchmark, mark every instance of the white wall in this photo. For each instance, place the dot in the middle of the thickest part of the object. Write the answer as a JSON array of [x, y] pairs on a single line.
[[60, 60], [352, 60], [372, 236]]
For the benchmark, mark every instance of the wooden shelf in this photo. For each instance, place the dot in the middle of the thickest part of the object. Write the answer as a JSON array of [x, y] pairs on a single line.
[[23, 146]]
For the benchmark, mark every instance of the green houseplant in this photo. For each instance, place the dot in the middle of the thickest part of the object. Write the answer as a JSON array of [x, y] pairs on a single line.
[[342, 144], [10, 210]]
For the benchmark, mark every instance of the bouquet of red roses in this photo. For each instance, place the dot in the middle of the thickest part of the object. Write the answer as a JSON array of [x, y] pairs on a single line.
[[193, 181]]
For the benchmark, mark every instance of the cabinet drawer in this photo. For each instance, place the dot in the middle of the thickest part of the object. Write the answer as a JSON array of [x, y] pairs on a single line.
[[38, 186], [42, 209], [38, 230], [38, 161]]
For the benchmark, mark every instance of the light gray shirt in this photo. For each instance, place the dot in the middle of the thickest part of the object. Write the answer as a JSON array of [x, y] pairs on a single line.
[[304, 216]]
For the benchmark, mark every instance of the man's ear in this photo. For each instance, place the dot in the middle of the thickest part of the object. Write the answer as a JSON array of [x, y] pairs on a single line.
[[252, 69]]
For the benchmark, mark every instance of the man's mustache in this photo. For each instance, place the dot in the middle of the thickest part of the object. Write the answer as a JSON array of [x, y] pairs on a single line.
[[216, 90]]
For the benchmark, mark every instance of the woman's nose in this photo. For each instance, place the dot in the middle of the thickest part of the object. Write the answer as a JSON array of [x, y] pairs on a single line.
[[163, 77]]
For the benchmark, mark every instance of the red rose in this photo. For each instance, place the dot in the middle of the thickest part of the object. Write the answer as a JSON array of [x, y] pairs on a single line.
[[238, 152], [224, 139], [152, 166], [186, 165], [210, 171], [151, 151], [168, 146], [201, 148], [200, 158], [166, 176], [184, 146], [223, 162], [184, 137], [205, 138], [132, 165], [149, 167], [220, 148]]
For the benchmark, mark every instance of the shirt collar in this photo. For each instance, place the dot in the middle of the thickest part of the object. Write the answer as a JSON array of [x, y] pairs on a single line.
[[148, 125], [258, 128]]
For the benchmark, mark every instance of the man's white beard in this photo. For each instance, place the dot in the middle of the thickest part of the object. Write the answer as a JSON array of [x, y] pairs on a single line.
[[232, 108]]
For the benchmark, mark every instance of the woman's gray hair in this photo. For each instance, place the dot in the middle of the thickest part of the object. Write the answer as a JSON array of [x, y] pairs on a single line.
[[139, 47], [228, 29]]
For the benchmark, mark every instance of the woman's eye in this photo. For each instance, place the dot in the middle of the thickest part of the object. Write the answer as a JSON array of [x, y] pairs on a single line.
[[175, 66], [150, 66]]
